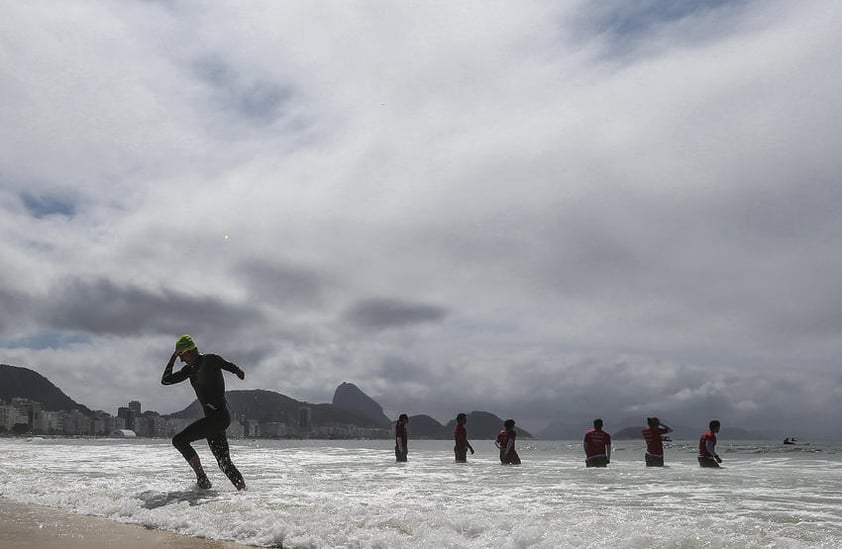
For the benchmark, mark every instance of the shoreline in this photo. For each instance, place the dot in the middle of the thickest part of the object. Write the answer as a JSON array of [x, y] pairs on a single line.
[[31, 526]]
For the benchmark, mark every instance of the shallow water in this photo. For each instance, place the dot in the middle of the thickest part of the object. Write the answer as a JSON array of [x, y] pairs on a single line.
[[353, 494]]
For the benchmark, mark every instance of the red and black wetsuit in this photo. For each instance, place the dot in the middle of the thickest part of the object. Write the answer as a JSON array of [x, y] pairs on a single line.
[[597, 448], [401, 440], [205, 375], [707, 449], [506, 443], [654, 445], [460, 436]]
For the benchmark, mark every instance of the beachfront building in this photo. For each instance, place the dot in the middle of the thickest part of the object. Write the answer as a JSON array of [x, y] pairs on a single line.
[[274, 429], [8, 416]]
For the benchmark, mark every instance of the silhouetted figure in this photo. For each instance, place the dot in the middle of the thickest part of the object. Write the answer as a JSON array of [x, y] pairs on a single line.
[[460, 436], [401, 438], [205, 375]]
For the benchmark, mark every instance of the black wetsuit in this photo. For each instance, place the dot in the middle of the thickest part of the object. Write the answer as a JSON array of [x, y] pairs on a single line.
[[205, 376]]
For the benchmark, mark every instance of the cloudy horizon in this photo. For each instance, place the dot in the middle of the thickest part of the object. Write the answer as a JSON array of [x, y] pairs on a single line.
[[549, 211]]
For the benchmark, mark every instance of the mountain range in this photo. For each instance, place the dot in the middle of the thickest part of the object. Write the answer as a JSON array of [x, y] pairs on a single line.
[[350, 406]]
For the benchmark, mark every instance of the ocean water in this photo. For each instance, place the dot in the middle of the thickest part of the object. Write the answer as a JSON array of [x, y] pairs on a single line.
[[353, 494]]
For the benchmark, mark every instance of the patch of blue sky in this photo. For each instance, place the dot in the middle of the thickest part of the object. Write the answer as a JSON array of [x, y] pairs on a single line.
[[257, 100], [45, 205], [627, 27], [45, 340], [637, 18]]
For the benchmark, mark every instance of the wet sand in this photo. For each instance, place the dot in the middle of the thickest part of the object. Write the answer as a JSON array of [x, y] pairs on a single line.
[[25, 526]]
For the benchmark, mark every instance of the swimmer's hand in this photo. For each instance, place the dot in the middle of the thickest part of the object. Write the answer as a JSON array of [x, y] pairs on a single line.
[[241, 374], [718, 459]]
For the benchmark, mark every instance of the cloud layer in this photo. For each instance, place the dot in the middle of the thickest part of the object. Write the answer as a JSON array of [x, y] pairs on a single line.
[[550, 211]]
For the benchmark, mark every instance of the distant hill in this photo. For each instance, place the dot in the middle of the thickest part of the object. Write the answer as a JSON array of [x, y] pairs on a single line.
[[564, 430], [424, 426], [682, 432], [267, 406], [629, 433], [26, 383], [483, 425], [350, 397]]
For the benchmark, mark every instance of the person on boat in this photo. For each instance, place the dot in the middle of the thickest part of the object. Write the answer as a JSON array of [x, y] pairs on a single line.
[[597, 446], [401, 438], [460, 436], [707, 446], [653, 435], [205, 375], [506, 443]]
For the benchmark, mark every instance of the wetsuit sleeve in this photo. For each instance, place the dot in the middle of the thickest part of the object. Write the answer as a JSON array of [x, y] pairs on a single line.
[[228, 366], [170, 378]]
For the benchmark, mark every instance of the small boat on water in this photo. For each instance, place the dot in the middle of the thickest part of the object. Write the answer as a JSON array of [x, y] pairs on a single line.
[[795, 441]]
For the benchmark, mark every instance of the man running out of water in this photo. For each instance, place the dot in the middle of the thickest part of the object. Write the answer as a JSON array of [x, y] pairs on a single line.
[[205, 375], [597, 446], [707, 446], [653, 435], [460, 436], [506, 443]]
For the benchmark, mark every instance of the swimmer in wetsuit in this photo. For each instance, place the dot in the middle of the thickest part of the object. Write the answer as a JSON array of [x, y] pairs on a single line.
[[205, 375], [506, 443], [401, 438], [653, 435], [597, 446], [460, 436], [707, 446]]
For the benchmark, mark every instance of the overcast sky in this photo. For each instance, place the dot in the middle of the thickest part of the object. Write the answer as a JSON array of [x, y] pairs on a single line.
[[547, 210]]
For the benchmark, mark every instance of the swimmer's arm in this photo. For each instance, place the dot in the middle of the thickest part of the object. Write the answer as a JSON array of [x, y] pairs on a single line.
[[169, 377], [711, 448], [233, 368]]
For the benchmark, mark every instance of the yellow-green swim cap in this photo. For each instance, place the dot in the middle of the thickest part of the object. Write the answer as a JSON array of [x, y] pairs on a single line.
[[184, 343]]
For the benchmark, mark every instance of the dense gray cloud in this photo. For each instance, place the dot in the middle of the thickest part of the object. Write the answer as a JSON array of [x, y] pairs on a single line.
[[551, 212], [380, 314], [104, 308]]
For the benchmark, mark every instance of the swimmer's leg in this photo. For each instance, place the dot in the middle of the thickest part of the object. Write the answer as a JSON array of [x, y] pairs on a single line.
[[181, 441], [218, 443]]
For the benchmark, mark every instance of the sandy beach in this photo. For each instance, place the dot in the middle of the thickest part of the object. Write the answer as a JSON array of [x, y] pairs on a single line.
[[24, 526]]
